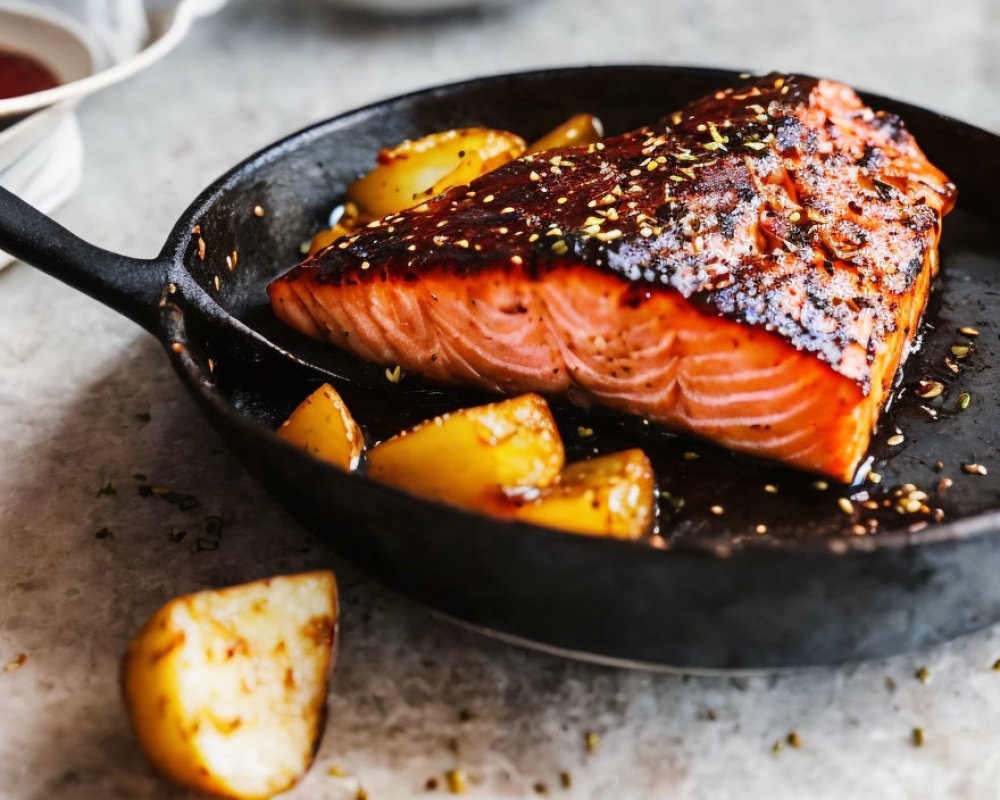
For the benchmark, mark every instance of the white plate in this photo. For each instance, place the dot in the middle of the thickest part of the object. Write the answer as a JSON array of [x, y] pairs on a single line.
[[67, 48]]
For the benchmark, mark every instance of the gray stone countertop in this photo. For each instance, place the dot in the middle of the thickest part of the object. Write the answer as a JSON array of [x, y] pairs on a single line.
[[73, 377]]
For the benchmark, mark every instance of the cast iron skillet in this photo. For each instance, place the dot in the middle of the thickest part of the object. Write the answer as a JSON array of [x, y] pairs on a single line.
[[709, 591]]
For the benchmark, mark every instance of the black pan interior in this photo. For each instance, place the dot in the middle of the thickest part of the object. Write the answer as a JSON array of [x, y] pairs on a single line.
[[298, 185], [709, 591]]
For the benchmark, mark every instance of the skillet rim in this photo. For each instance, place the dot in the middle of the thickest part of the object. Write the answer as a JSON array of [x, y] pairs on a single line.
[[177, 245]]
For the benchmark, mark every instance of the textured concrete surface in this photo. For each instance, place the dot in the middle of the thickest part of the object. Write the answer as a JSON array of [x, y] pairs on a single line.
[[73, 377]]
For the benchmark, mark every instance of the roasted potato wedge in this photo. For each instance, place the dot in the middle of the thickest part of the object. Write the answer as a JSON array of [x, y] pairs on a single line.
[[348, 223], [613, 495], [578, 129], [226, 689], [417, 170], [323, 426], [466, 458]]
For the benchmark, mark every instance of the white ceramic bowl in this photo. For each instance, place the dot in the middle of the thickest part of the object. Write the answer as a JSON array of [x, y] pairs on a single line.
[[66, 47]]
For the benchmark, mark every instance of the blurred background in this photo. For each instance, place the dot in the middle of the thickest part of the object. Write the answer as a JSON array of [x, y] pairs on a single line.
[[250, 73]]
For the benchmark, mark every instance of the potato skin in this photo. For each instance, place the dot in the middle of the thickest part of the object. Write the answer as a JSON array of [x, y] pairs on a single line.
[[226, 690], [578, 129], [323, 426], [468, 457]]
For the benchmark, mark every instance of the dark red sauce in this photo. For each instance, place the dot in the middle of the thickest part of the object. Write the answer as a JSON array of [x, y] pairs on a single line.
[[21, 74]]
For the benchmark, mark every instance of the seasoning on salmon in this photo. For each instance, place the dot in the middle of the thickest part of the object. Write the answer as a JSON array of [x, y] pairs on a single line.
[[751, 269]]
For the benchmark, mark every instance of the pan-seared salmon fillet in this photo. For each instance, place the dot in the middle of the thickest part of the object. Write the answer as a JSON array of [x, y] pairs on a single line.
[[751, 269]]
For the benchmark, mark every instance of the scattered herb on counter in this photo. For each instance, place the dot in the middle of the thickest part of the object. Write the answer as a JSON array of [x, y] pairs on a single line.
[[431, 784], [361, 794], [177, 534], [923, 674], [456, 781], [15, 663], [143, 417], [464, 715], [776, 747], [104, 533], [918, 737], [590, 741], [336, 772], [212, 525], [565, 779], [205, 543], [108, 488], [996, 665], [794, 740], [139, 477], [185, 502], [453, 745], [541, 788]]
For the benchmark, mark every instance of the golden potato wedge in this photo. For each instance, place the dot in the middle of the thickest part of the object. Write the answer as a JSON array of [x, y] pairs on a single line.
[[417, 170], [323, 426], [226, 689], [467, 457], [578, 129], [613, 495]]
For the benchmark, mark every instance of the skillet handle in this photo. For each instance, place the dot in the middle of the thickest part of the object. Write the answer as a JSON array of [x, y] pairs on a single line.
[[131, 286]]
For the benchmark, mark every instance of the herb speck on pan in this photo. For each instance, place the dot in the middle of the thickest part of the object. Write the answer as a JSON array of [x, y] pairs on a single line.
[[107, 489]]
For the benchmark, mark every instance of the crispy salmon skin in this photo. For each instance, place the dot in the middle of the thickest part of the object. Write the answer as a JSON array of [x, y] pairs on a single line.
[[752, 269]]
